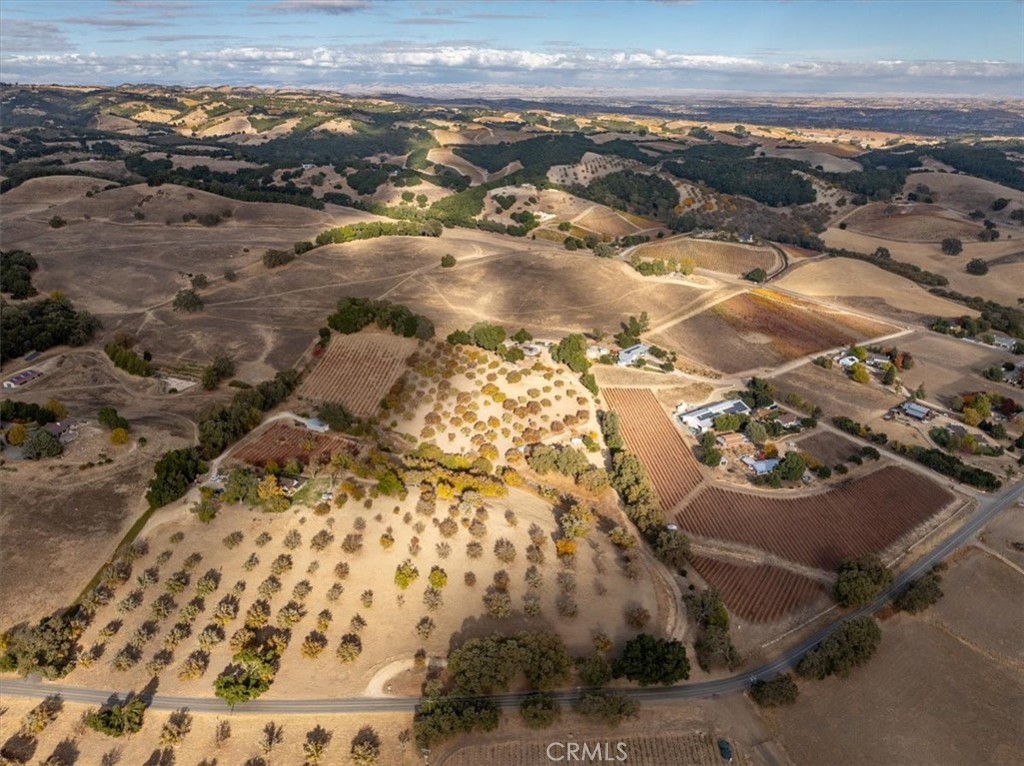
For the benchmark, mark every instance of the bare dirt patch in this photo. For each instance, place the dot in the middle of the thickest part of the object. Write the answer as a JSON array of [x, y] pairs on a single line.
[[828, 448]]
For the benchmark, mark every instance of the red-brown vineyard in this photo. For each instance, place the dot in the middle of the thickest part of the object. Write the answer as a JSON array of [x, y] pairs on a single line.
[[357, 370], [858, 517], [281, 443], [649, 433], [758, 592]]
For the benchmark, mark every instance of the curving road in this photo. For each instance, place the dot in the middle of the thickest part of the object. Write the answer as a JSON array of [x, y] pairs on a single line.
[[988, 508]]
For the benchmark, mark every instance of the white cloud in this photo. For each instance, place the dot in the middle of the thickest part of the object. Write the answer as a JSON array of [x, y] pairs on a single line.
[[373, 63], [332, 7]]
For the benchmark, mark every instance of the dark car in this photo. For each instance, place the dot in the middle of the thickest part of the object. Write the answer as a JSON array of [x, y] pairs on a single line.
[[725, 750]]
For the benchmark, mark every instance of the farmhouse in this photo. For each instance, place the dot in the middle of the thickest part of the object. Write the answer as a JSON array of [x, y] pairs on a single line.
[[915, 410], [846, 362], [760, 467], [731, 441], [703, 418], [65, 431], [629, 355], [22, 378], [878, 361], [1005, 342]]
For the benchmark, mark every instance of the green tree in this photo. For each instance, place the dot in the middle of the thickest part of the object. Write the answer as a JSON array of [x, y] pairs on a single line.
[[860, 580], [859, 373], [649, 660], [776, 692], [488, 336], [977, 266], [791, 467], [40, 444], [448, 261], [187, 301], [572, 352], [607, 707], [756, 432], [889, 374], [672, 548], [851, 644], [118, 719], [540, 710], [710, 455], [365, 749], [921, 593], [952, 246]]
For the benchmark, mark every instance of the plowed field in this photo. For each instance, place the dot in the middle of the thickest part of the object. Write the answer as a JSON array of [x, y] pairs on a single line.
[[649, 433], [759, 593], [763, 328], [280, 443], [357, 370], [861, 516]]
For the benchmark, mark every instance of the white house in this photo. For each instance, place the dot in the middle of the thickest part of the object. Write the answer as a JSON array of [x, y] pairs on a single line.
[[703, 418], [629, 355], [760, 467], [846, 362]]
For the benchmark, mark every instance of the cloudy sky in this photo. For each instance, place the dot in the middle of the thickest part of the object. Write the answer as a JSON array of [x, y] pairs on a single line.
[[868, 47]]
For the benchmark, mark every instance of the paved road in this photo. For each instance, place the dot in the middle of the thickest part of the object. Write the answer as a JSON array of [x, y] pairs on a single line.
[[988, 508]]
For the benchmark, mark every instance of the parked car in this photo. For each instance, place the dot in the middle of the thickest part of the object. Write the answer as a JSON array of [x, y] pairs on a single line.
[[725, 750]]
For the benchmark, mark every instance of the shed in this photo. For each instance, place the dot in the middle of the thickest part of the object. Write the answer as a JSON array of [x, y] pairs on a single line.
[[915, 410]]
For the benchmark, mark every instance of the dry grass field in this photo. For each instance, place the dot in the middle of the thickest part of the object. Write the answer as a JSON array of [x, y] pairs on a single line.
[[863, 286], [357, 370], [1005, 535], [64, 517], [836, 394], [950, 366], [967, 193], [978, 572], [1000, 284], [945, 687], [762, 329], [292, 560], [78, 745], [911, 222], [725, 257], [865, 515]]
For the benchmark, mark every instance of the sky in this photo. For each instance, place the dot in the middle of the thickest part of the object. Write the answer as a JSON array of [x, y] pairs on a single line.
[[649, 47]]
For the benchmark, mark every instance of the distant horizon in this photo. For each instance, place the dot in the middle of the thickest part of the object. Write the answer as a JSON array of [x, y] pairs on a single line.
[[580, 94], [886, 48]]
